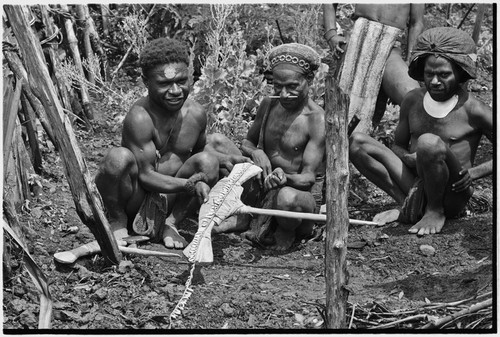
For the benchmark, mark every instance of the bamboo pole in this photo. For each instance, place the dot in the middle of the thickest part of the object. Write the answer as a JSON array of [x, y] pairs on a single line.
[[17, 67], [337, 181], [87, 200], [87, 47], [62, 86], [75, 52], [10, 106]]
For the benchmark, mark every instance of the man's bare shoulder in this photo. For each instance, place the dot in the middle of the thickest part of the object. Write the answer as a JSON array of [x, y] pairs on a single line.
[[477, 109], [414, 96], [138, 113]]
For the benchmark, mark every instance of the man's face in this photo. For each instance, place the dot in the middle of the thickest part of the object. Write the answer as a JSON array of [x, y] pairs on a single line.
[[441, 78], [168, 85], [287, 83]]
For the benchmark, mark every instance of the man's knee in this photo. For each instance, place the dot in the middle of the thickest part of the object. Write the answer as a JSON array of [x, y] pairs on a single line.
[[117, 161], [289, 198], [357, 143], [431, 147], [207, 163]]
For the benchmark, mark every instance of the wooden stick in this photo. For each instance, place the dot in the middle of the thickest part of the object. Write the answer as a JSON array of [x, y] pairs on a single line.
[[17, 67], [30, 122], [77, 59], [474, 308], [62, 86], [87, 47], [70, 256], [407, 319], [479, 20], [297, 215]]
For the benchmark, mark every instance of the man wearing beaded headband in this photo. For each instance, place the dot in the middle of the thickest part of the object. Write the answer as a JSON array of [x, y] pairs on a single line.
[[287, 141], [148, 182], [431, 166]]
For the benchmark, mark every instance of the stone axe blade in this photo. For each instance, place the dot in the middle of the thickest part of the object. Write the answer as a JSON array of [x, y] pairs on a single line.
[[92, 247], [223, 201]]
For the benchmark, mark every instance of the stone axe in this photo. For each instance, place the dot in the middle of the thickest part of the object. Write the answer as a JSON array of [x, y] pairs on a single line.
[[224, 201], [70, 256]]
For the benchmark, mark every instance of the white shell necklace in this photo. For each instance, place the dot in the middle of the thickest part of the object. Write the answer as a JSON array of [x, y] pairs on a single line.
[[439, 109]]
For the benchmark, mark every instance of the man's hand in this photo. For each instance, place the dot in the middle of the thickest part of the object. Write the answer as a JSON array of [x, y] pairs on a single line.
[[336, 44], [202, 190], [276, 179], [463, 183], [233, 160], [260, 159]]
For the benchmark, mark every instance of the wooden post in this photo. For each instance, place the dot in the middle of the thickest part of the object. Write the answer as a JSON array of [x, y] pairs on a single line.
[[96, 43], [30, 123], [479, 20], [75, 52], [87, 47], [337, 183], [11, 101], [105, 19], [87, 199], [62, 86]]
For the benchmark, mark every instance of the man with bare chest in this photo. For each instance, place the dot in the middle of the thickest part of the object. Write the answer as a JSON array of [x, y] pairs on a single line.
[[287, 140], [160, 169], [373, 68], [431, 166]]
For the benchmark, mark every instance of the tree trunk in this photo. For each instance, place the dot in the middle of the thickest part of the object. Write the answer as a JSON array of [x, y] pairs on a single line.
[[75, 52], [54, 59], [84, 26], [337, 181], [87, 200]]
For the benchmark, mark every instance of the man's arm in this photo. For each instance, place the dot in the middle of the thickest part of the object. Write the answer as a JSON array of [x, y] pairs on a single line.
[[249, 145], [402, 135], [330, 24], [415, 26], [483, 118], [138, 137]]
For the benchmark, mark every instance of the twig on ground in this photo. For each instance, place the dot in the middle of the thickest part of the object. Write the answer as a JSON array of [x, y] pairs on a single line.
[[407, 319]]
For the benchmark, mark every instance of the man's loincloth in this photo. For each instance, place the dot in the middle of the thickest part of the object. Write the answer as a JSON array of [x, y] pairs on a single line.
[[150, 218], [414, 205], [262, 227], [363, 67]]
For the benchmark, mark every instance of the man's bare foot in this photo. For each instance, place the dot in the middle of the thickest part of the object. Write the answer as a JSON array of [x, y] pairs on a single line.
[[386, 216], [284, 239], [431, 223], [119, 234], [172, 238]]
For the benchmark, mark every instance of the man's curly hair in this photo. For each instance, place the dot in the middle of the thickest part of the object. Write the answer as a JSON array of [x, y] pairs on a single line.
[[162, 51]]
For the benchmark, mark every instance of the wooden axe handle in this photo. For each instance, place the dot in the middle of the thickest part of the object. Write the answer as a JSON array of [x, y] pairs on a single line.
[[92, 247], [296, 215]]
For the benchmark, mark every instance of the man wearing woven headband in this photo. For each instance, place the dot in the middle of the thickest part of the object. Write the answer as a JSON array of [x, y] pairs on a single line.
[[148, 182], [431, 166], [373, 68], [287, 141]]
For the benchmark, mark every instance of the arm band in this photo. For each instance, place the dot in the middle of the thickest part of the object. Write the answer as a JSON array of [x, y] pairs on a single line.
[[330, 33], [191, 182]]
